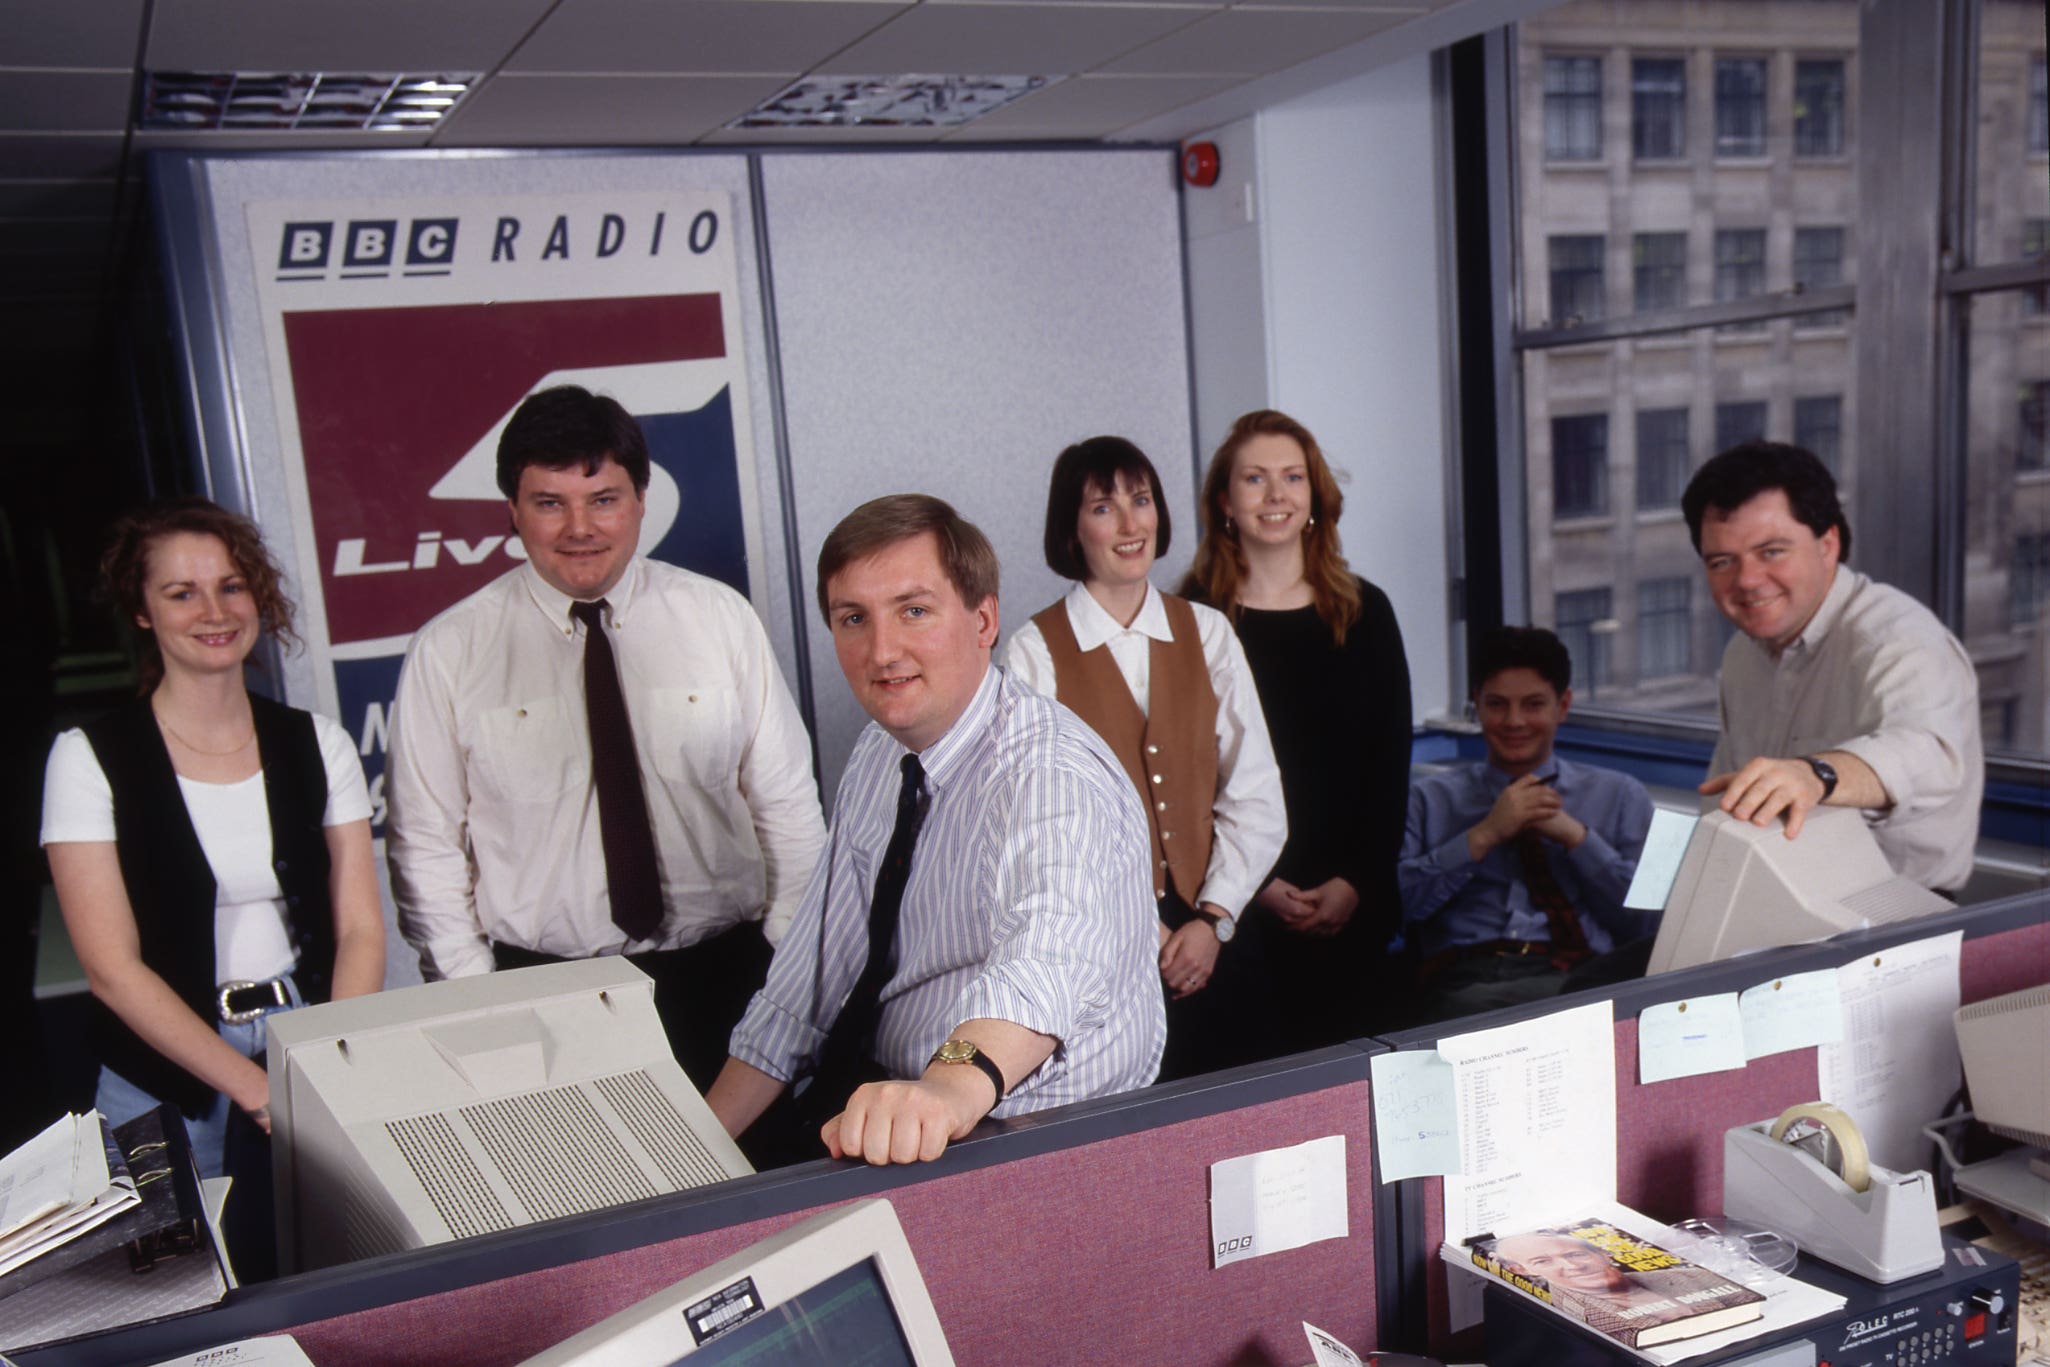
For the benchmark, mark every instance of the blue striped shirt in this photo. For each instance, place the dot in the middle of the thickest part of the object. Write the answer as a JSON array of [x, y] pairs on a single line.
[[1029, 901]]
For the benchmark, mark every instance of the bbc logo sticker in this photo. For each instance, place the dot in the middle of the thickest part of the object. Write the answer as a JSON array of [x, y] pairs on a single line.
[[305, 246]]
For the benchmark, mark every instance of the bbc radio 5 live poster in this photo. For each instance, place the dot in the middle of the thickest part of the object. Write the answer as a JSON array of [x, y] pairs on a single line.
[[402, 334]]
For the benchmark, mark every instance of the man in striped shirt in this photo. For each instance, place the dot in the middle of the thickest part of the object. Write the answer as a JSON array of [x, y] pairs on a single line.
[[1019, 950]]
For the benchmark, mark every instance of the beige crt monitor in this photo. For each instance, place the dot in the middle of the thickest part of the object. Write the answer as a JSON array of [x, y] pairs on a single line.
[[463, 1107], [1743, 887], [2005, 1045], [838, 1288]]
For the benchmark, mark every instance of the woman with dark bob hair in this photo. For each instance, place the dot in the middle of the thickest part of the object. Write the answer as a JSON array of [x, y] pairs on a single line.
[[1165, 683], [211, 848], [1328, 658]]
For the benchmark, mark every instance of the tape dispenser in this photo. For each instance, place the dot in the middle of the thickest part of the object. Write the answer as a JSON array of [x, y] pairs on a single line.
[[1808, 1174]]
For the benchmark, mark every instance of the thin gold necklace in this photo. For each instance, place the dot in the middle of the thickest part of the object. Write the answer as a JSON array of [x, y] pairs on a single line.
[[211, 754]]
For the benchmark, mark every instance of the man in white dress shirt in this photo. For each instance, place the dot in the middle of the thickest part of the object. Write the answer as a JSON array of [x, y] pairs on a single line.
[[1838, 689], [595, 753]]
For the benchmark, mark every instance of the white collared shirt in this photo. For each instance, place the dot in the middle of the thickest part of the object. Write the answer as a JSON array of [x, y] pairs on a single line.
[[1876, 675], [1249, 823], [493, 830]]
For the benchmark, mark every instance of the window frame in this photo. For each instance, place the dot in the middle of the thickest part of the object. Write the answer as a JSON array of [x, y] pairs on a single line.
[[1754, 105]]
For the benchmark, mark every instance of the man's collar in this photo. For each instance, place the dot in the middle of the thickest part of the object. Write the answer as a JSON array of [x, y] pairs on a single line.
[[1093, 626], [1841, 587], [555, 604], [943, 756], [1496, 779]]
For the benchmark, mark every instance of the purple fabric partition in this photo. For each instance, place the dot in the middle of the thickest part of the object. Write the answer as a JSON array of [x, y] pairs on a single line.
[[1098, 1253]]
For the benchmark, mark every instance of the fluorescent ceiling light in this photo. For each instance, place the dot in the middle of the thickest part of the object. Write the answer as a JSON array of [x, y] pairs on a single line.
[[888, 101], [197, 101]]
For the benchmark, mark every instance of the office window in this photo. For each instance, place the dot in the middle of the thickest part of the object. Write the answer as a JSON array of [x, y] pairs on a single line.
[[1659, 270], [2035, 243], [1819, 261], [1658, 108], [1819, 108], [1739, 269], [1664, 626], [2032, 451], [1819, 426], [1740, 106], [1737, 423], [1662, 459], [1573, 108], [2028, 579], [2039, 106], [1583, 622], [1576, 269], [1580, 465]]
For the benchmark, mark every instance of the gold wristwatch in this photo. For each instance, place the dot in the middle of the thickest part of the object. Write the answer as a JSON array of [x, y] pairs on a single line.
[[961, 1051]]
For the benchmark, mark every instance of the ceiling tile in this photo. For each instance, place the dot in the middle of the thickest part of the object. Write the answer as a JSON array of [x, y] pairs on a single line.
[[99, 33], [39, 156], [781, 137], [597, 111], [1040, 38], [361, 35], [1396, 11], [697, 35], [57, 198], [1253, 42], [1089, 106], [64, 101]]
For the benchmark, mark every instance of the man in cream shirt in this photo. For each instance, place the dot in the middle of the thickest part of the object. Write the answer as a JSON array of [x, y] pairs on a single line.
[[529, 823]]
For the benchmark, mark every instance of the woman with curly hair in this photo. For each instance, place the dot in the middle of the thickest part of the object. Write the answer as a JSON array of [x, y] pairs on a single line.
[[1334, 683]]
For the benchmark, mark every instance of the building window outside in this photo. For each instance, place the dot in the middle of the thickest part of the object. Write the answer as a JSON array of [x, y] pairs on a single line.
[[1664, 626], [2039, 106], [1819, 426], [1658, 108], [1573, 108], [1740, 106], [1819, 263], [1739, 269], [1737, 423], [1584, 625], [1818, 108], [2028, 579], [1576, 271], [1659, 271], [2032, 452], [1662, 457], [2035, 243], [1580, 465]]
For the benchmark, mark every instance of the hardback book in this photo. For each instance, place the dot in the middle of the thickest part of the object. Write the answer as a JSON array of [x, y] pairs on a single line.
[[1616, 1282]]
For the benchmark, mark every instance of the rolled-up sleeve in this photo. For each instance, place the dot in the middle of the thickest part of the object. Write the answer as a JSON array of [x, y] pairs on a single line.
[[1926, 695]]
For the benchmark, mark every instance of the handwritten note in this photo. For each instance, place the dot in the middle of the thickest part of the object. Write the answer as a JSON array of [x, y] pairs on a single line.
[[1665, 845], [1685, 1038], [1283, 1198], [1416, 1115], [1792, 1013]]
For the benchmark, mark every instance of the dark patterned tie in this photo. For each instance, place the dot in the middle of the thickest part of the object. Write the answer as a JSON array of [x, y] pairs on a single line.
[[631, 874], [849, 1044], [1569, 944]]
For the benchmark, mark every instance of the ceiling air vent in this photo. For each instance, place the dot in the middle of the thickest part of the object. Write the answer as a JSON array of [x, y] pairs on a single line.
[[888, 101], [197, 101]]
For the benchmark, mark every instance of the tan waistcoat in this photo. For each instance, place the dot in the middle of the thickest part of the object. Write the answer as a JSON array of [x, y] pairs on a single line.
[[1170, 750]]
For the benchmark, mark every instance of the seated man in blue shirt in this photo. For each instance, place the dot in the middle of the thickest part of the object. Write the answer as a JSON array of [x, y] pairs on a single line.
[[1514, 870]]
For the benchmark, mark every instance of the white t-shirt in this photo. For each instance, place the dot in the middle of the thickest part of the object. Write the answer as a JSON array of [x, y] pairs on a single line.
[[232, 821]]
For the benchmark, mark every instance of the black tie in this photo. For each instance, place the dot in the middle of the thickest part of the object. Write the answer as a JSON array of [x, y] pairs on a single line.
[[631, 875], [847, 1050]]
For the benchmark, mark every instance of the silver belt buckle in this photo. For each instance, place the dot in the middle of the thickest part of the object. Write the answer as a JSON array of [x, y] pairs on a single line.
[[230, 1017]]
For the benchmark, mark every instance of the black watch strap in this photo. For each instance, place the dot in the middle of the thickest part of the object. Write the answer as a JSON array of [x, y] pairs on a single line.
[[1825, 771], [961, 1051]]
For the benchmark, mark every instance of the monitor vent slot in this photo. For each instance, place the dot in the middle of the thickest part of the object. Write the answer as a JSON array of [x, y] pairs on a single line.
[[652, 1118], [462, 1198], [1896, 899], [2024, 1000], [555, 1151]]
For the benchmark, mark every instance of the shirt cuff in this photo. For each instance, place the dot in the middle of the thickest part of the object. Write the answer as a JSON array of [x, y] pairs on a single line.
[[456, 956], [1454, 855], [773, 1040], [1894, 773], [1592, 855], [1035, 996]]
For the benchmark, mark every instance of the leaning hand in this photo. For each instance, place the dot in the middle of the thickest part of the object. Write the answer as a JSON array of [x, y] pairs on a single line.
[[893, 1122], [1767, 788], [1330, 906], [1189, 958]]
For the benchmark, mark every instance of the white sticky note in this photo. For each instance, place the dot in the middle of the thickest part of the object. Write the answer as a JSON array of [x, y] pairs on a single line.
[[1665, 845], [1683, 1038], [1416, 1114], [1330, 1350], [1792, 1013], [1280, 1199]]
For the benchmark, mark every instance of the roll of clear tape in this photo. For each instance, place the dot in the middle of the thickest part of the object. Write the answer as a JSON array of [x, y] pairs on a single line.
[[1854, 1164]]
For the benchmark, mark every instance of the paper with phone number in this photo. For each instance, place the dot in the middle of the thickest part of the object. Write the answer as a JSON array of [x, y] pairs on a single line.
[[1263, 1203]]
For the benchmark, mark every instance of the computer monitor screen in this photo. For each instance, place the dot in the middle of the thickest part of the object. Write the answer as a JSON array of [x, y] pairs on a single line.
[[840, 1289], [464, 1107], [1743, 887]]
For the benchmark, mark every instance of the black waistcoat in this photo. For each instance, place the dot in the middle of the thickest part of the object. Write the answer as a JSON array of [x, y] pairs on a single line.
[[171, 886]]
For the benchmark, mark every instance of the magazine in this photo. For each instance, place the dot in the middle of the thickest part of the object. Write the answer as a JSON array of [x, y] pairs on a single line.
[[1615, 1282]]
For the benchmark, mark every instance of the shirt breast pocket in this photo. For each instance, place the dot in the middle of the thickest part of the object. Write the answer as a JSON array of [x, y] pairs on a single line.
[[694, 735], [533, 752]]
